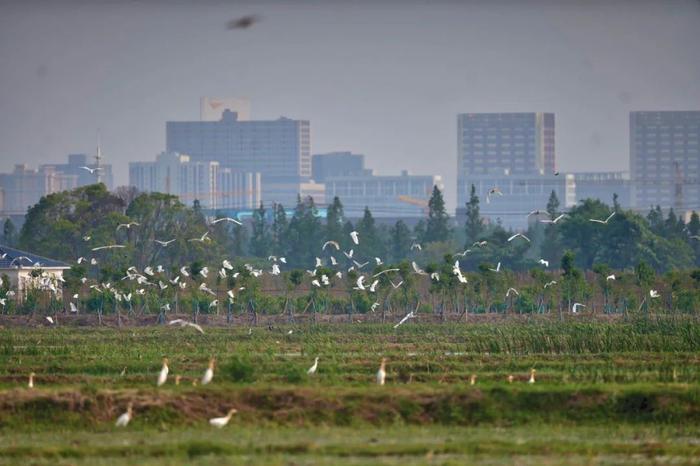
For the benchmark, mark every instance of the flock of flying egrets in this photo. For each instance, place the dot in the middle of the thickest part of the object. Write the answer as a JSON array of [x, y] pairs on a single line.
[[156, 276]]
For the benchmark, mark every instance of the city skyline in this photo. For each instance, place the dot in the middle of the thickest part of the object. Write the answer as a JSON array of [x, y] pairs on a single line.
[[378, 80]]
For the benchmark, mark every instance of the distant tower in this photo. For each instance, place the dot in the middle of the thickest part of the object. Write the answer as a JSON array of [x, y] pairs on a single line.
[[98, 159]]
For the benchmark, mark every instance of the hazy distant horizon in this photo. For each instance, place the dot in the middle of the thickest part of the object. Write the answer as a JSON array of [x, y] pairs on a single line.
[[384, 79]]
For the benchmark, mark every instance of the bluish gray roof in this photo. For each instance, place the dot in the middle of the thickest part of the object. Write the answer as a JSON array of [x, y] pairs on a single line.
[[11, 258]]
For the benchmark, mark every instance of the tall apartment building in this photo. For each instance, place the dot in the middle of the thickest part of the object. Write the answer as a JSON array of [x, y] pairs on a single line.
[[337, 164], [75, 165], [280, 150], [665, 159], [25, 186], [503, 143], [214, 186]]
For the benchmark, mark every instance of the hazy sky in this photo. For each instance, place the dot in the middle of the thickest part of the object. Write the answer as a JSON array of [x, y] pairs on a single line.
[[381, 78]]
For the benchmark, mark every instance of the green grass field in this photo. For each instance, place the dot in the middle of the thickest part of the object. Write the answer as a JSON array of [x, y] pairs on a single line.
[[606, 393]]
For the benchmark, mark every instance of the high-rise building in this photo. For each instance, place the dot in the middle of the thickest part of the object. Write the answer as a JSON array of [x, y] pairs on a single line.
[[212, 108], [665, 159], [503, 143], [215, 187], [337, 164], [76, 166], [24, 187], [280, 150]]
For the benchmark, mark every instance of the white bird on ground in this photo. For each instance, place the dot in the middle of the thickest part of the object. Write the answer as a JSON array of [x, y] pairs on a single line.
[[127, 225], [316, 283], [374, 307], [381, 373], [3, 302], [91, 170], [275, 270], [410, 315], [548, 284], [491, 191], [544, 262], [73, 307], [226, 264], [184, 323], [312, 369], [532, 376], [575, 307], [654, 294], [201, 239], [355, 237], [163, 374], [435, 276], [416, 246], [513, 290], [331, 243], [519, 235], [149, 271], [111, 246], [50, 319], [417, 269], [610, 277], [209, 373], [497, 269], [555, 220], [123, 420], [325, 280], [204, 272], [222, 421], [226, 219], [165, 244], [602, 221]]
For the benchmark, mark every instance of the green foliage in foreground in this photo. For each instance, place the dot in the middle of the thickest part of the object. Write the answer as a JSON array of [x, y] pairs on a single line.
[[605, 393]]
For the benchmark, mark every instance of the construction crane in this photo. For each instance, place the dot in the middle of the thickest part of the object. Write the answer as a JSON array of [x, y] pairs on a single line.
[[423, 203]]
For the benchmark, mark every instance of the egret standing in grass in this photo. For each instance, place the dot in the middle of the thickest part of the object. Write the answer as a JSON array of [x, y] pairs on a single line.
[[472, 379], [222, 421], [381, 373], [532, 376], [312, 369], [163, 375], [209, 373], [123, 420], [30, 384]]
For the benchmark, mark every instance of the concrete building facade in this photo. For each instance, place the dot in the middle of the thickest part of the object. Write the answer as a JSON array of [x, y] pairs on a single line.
[[280, 150], [215, 187], [665, 159], [25, 186]]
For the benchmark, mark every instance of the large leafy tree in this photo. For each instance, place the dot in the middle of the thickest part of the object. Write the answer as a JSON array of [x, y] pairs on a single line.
[[56, 225], [437, 227]]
